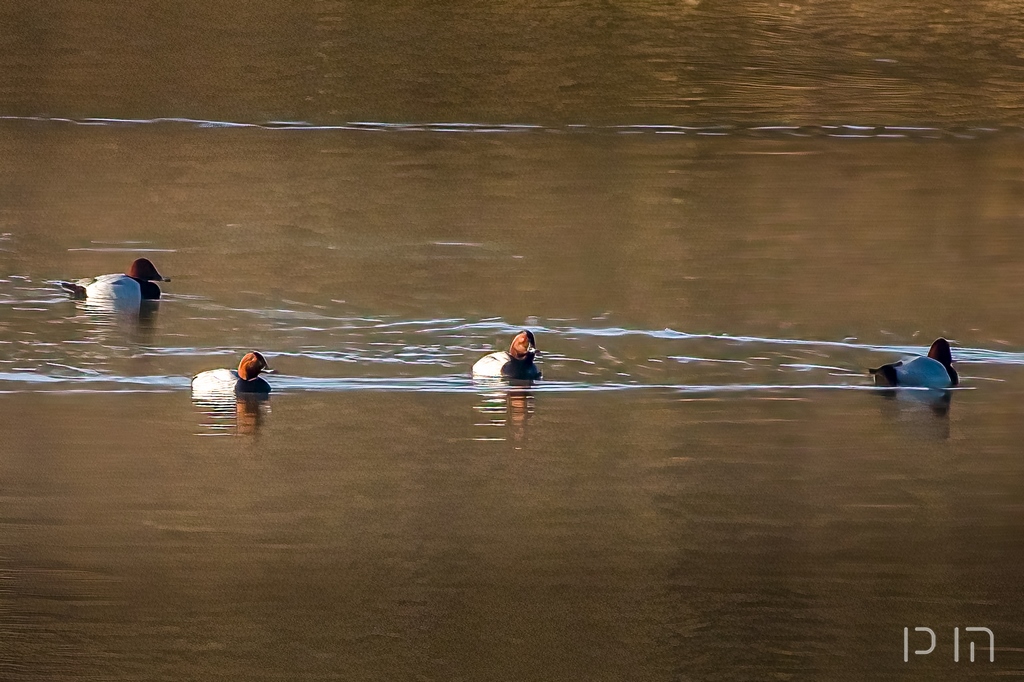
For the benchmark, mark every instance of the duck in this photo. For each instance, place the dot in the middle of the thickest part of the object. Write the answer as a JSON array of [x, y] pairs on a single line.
[[932, 371], [246, 380], [515, 363], [132, 287]]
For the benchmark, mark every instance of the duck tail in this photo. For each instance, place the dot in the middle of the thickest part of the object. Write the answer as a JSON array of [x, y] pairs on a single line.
[[884, 375], [77, 291]]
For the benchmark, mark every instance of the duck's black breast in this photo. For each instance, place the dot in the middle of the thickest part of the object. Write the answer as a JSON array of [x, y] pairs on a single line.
[[150, 291], [521, 369], [257, 385]]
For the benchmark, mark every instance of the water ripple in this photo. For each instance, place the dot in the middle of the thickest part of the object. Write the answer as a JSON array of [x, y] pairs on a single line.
[[839, 131], [960, 353], [441, 384]]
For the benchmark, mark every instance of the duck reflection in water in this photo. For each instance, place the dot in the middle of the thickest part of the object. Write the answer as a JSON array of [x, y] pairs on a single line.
[[111, 318], [936, 400], [505, 403], [227, 414], [922, 412]]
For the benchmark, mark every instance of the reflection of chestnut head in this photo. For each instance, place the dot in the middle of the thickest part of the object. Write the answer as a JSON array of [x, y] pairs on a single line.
[[248, 414], [520, 407]]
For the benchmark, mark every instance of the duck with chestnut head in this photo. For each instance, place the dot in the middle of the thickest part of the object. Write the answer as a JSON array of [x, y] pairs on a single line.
[[515, 363], [130, 288], [932, 371], [245, 380]]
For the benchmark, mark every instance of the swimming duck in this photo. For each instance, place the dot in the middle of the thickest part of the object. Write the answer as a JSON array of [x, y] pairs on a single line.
[[934, 371], [516, 363], [246, 379], [132, 287]]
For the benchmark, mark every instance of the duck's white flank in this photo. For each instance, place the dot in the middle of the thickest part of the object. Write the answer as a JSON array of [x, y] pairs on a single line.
[[215, 381], [923, 372], [113, 287], [491, 365]]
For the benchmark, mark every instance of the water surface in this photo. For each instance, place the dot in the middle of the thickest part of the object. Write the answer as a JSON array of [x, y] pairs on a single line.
[[715, 220]]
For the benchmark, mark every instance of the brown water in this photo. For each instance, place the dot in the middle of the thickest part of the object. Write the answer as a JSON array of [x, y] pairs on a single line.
[[715, 218]]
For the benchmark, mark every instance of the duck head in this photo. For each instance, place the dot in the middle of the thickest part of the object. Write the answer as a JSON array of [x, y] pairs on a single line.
[[523, 347], [143, 269], [251, 365], [941, 353]]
